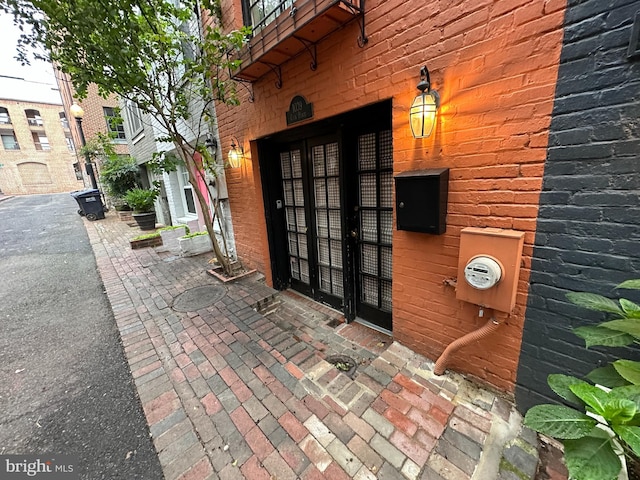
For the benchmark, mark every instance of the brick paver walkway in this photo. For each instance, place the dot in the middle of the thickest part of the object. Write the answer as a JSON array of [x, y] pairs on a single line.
[[242, 388]]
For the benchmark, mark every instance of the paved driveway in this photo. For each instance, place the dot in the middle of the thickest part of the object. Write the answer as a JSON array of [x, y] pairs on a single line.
[[65, 387]]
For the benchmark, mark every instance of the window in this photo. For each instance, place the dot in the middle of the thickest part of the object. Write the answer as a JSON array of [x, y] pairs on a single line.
[[41, 141], [70, 145], [259, 13], [114, 123], [9, 141], [4, 116], [34, 118], [135, 117], [187, 191], [63, 121]]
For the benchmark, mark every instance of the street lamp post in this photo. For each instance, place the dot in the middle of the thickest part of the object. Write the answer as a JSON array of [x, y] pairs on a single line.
[[78, 113]]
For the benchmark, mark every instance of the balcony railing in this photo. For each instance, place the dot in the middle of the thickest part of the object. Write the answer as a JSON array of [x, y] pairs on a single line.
[[35, 122], [5, 119], [65, 123], [42, 146], [285, 29]]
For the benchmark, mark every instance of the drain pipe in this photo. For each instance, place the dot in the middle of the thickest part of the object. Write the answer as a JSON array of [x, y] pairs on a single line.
[[482, 332]]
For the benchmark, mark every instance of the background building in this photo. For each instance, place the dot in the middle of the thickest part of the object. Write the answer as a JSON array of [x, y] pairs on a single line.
[[100, 115], [37, 152]]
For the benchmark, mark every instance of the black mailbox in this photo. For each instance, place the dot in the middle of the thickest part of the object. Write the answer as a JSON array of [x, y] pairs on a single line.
[[421, 200]]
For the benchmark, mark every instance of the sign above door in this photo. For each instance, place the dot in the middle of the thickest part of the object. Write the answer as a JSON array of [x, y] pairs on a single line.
[[299, 110]]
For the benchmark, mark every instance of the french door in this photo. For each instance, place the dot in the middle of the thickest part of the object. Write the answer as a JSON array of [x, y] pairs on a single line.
[[330, 215], [372, 227], [312, 208]]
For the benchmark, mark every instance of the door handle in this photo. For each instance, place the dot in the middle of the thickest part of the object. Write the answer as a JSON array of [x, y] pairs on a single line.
[[354, 233]]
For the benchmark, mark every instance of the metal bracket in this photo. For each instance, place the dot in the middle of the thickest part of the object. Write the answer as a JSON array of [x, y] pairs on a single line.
[[249, 88], [278, 71], [362, 38], [313, 51]]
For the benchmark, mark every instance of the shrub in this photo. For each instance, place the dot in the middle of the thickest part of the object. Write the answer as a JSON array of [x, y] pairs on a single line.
[[141, 200], [609, 428], [119, 175]]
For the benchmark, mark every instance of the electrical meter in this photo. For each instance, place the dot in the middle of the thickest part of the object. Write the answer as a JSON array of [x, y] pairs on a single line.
[[482, 272]]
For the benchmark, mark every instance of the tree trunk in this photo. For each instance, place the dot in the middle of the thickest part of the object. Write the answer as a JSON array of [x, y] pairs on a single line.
[[192, 167]]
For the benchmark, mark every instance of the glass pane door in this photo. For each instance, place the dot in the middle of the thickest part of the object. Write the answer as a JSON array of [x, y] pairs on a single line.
[[375, 225], [328, 218], [296, 223]]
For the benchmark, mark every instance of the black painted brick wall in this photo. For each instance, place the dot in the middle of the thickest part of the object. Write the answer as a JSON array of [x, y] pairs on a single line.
[[588, 236]]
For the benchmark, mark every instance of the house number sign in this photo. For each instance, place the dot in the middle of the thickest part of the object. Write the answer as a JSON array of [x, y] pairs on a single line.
[[299, 110]]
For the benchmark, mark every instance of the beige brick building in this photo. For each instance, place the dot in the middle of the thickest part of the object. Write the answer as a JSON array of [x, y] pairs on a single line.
[[37, 151]]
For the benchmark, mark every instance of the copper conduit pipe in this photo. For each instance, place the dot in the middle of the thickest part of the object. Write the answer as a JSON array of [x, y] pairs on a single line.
[[482, 332]]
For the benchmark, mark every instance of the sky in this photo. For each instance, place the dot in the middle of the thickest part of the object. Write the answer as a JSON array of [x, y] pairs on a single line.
[[38, 71]]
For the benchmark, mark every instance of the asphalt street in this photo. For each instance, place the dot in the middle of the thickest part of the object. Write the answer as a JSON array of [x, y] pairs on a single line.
[[65, 387]]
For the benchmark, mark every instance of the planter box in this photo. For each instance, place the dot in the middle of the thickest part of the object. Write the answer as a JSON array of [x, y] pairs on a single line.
[[195, 245], [170, 239], [145, 243]]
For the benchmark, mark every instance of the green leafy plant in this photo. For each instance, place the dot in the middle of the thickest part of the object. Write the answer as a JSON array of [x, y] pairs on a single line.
[[174, 227], [141, 199], [147, 236], [194, 234], [608, 426], [119, 175]]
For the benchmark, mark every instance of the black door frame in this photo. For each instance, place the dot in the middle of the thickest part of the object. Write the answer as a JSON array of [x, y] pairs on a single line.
[[345, 127]]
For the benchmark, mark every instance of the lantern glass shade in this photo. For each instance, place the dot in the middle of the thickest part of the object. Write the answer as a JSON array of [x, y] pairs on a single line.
[[76, 110], [422, 114], [234, 157]]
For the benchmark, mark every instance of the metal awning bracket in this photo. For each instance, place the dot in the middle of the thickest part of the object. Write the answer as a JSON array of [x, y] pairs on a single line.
[[278, 71], [313, 51]]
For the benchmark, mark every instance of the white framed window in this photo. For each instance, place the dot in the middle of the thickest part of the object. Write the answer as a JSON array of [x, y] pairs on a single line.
[[135, 118], [188, 196], [33, 118], [4, 116], [9, 141], [260, 13], [40, 141], [63, 121], [70, 145], [115, 124]]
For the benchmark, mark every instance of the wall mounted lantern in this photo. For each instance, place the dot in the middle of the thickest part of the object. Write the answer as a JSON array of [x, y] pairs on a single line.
[[422, 114], [236, 154]]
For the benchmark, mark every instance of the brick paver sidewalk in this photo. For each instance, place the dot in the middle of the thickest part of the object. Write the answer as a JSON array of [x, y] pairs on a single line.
[[230, 392]]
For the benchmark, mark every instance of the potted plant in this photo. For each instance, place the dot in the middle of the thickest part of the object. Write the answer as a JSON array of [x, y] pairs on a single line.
[[142, 201]]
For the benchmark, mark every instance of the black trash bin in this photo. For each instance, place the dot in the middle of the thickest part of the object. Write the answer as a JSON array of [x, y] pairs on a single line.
[[90, 203]]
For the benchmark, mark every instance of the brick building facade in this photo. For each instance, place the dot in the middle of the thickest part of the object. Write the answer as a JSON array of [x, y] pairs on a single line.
[[314, 202], [96, 112], [37, 152]]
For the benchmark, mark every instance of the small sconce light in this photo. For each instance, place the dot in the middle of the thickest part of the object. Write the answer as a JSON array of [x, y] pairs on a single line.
[[236, 154], [422, 114], [211, 145]]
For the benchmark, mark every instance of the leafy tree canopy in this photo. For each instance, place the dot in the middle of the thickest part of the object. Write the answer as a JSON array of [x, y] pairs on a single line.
[[155, 53], [159, 54]]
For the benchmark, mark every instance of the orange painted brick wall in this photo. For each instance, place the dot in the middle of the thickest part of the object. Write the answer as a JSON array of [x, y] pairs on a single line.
[[494, 64]]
